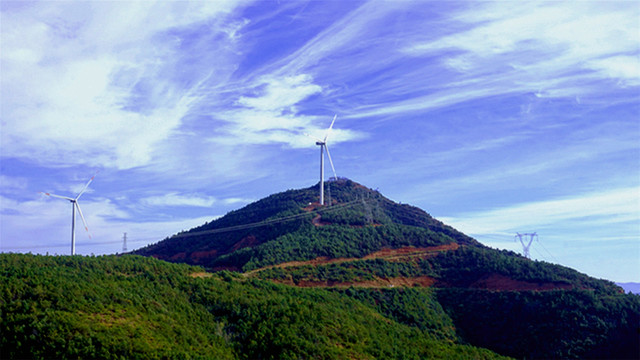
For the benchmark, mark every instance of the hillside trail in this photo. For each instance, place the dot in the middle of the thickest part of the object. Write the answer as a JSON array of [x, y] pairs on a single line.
[[404, 253], [490, 281]]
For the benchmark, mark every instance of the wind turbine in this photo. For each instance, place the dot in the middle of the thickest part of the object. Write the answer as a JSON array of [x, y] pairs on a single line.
[[74, 206], [323, 146]]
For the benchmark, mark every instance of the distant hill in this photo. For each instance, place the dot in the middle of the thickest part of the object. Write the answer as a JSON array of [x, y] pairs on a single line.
[[361, 278], [631, 287]]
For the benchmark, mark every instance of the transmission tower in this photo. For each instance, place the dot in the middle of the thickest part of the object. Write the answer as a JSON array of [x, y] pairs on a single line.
[[124, 243], [525, 247], [367, 211]]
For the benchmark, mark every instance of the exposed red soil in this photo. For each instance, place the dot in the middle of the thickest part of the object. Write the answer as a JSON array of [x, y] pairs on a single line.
[[410, 252], [423, 281], [197, 256], [317, 221], [247, 241], [387, 254], [499, 282], [179, 256], [493, 282], [312, 206]]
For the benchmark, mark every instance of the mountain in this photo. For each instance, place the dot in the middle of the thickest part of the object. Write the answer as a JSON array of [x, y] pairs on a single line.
[[292, 226], [372, 249], [363, 277]]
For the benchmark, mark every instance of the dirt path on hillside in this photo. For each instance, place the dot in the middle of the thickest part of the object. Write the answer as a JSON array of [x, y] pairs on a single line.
[[404, 253], [491, 282], [423, 281], [316, 220]]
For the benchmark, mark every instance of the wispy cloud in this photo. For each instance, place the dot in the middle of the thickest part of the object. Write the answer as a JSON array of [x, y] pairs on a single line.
[[271, 114], [604, 209], [12, 184], [82, 89], [470, 109], [175, 199], [43, 225], [559, 49]]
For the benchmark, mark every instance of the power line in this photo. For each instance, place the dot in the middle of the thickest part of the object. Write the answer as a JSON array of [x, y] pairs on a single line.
[[267, 222], [84, 244], [550, 254], [212, 231], [539, 253]]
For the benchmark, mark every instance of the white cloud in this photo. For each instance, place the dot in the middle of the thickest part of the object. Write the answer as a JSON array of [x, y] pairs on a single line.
[[43, 225], [175, 199], [625, 68], [606, 209], [232, 201], [74, 84], [554, 48], [48, 219], [271, 115], [432, 101], [568, 31], [280, 94]]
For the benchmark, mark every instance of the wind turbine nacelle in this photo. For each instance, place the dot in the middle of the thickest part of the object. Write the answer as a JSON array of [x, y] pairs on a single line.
[[319, 143]]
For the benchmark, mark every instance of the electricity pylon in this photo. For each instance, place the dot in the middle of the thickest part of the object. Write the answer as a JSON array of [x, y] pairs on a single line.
[[525, 247]]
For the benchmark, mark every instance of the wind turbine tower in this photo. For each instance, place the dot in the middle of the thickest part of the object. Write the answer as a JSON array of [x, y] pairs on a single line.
[[74, 206], [323, 146]]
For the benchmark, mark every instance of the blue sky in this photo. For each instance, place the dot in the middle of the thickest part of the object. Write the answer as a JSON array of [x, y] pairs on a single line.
[[495, 117]]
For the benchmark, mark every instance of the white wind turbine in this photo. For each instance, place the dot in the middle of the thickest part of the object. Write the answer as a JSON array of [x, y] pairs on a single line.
[[74, 205], [323, 145]]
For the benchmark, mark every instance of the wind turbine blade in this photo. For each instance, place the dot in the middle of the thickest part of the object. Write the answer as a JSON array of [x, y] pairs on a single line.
[[330, 127], [57, 196], [83, 220], [313, 137], [331, 162], [86, 186]]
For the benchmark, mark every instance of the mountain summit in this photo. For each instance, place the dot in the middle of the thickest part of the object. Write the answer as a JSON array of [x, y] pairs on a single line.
[[292, 225]]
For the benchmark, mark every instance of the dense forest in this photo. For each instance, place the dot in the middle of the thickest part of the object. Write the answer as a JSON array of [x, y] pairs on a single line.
[[131, 307], [285, 278]]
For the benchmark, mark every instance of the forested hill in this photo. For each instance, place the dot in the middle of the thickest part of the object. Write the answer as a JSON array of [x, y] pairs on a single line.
[[399, 259], [363, 278], [292, 226], [131, 307]]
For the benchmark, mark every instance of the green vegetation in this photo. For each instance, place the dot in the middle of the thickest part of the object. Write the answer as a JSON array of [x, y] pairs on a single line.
[[334, 242], [457, 268], [575, 317], [416, 307], [132, 307], [353, 271], [360, 222], [560, 324], [107, 307], [413, 303], [468, 264]]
